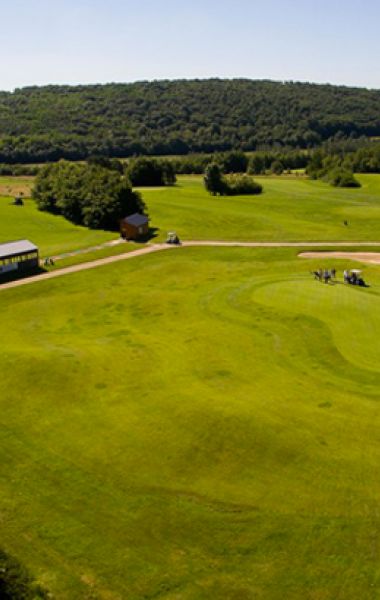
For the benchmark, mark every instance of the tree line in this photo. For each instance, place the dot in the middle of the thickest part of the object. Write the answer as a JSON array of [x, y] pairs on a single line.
[[90, 194], [332, 168], [229, 185], [41, 124], [99, 193]]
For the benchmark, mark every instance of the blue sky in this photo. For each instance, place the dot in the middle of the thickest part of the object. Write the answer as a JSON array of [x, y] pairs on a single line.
[[85, 41]]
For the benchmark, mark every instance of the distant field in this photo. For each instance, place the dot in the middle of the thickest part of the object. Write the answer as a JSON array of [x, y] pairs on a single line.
[[289, 209], [193, 424], [15, 186]]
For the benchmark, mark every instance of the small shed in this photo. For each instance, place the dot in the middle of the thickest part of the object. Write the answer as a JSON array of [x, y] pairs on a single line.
[[134, 226], [20, 255]]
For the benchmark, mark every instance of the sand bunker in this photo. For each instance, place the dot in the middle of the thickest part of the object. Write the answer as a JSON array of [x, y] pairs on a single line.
[[363, 257]]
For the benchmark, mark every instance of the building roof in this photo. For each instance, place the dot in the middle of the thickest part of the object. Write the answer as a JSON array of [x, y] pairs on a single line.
[[18, 247], [136, 219]]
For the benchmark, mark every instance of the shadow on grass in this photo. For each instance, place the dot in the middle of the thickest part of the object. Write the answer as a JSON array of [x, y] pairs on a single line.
[[17, 275], [152, 233]]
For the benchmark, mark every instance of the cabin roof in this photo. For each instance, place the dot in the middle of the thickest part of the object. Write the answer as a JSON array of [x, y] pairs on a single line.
[[136, 219], [17, 247]]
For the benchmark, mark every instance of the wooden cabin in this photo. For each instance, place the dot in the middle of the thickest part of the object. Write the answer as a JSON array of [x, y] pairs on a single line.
[[21, 256], [134, 227]]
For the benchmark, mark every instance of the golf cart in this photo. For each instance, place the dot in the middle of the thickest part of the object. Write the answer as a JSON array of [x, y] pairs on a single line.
[[355, 278], [172, 238]]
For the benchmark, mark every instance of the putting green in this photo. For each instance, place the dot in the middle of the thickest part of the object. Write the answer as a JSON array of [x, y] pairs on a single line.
[[351, 313]]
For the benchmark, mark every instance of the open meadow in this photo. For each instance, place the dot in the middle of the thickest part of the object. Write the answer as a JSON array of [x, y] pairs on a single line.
[[193, 424]]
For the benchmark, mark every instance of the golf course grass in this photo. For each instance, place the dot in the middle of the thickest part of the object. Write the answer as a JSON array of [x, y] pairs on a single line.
[[290, 209], [195, 424], [52, 234]]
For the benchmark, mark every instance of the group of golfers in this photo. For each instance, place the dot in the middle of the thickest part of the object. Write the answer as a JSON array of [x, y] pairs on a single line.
[[352, 277], [325, 275]]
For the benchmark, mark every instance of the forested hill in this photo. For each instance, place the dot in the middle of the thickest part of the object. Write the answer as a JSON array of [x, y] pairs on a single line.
[[177, 117]]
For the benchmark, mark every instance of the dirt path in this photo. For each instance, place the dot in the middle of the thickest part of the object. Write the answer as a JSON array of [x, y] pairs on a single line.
[[364, 257], [85, 266], [280, 244], [148, 249], [109, 244]]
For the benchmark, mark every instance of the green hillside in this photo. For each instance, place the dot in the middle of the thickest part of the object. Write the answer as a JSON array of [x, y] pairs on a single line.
[[177, 117]]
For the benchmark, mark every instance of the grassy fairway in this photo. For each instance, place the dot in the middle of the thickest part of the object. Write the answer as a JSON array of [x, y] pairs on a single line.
[[195, 424], [52, 234], [289, 209]]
